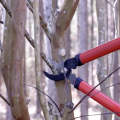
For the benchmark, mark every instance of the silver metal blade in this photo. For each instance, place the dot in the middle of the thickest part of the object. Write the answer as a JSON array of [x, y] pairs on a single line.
[[72, 78]]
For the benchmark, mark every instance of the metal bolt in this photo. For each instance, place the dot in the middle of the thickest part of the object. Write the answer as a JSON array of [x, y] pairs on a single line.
[[64, 70]]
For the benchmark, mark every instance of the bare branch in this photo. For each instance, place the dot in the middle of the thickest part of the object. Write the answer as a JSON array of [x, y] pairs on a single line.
[[3, 2], [47, 96], [30, 2], [100, 91], [49, 63], [109, 3], [5, 99], [29, 38], [95, 115], [93, 89], [42, 22]]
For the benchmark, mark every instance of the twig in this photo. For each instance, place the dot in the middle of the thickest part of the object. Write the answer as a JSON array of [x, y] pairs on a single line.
[[42, 22], [31, 3], [49, 63], [94, 115], [3, 2], [27, 35], [109, 3], [5, 99], [115, 3], [101, 90], [47, 96], [29, 38], [94, 88]]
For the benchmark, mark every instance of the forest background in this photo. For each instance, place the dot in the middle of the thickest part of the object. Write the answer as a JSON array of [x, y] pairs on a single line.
[[94, 22]]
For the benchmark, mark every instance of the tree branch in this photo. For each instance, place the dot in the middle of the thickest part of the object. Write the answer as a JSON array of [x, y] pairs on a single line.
[[3, 2], [95, 115], [47, 96], [93, 89], [109, 3], [5, 99], [42, 22], [29, 38]]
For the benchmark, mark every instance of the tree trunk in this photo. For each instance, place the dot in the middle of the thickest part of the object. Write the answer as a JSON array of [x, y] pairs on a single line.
[[83, 36], [16, 60], [6, 59], [38, 110], [13, 61], [38, 59], [102, 70], [47, 13]]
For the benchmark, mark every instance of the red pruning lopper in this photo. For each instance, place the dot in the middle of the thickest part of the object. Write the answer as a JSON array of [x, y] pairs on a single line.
[[78, 83]]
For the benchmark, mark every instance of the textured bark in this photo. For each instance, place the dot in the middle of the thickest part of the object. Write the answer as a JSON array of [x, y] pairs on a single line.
[[68, 41], [51, 90], [58, 43], [13, 59], [101, 69], [42, 77], [116, 80], [92, 40], [37, 58], [18, 103], [116, 89], [83, 36], [5, 65]]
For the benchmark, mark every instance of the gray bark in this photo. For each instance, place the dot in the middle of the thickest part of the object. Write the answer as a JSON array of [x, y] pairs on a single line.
[[83, 36]]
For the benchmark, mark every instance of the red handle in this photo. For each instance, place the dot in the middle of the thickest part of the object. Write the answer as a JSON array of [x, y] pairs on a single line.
[[100, 98], [100, 51]]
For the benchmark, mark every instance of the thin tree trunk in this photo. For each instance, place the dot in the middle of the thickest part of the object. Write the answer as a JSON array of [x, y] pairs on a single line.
[[16, 60], [58, 44], [38, 110], [101, 69], [37, 58], [24, 70], [47, 13], [83, 36], [6, 59], [116, 90], [13, 59]]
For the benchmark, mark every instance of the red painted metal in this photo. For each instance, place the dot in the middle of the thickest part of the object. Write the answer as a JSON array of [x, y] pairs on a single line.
[[100, 51], [100, 98]]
